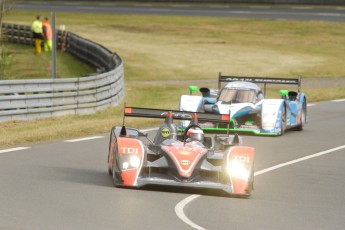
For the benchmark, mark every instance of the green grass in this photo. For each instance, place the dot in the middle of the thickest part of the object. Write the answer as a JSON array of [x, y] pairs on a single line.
[[168, 47], [185, 51], [23, 64]]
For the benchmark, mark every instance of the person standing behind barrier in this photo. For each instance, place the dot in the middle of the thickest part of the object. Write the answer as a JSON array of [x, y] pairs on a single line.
[[47, 35], [37, 34]]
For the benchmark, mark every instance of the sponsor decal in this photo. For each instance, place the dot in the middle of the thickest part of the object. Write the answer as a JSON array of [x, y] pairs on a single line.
[[165, 132], [207, 125], [182, 115], [184, 153], [185, 162], [242, 158], [129, 150], [249, 126], [186, 149]]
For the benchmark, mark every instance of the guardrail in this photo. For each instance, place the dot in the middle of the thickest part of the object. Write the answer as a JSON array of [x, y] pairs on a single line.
[[41, 98], [293, 2]]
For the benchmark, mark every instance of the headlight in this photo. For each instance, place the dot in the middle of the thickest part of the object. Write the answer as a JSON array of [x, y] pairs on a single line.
[[125, 165], [130, 162], [134, 161], [238, 170]]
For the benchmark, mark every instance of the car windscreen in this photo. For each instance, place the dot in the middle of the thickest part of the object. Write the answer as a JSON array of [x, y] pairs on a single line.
[[237, 96]]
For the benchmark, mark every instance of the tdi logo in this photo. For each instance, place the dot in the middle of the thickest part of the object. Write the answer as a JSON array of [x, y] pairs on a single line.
[[242, 158], [165, 132], [128, 150]]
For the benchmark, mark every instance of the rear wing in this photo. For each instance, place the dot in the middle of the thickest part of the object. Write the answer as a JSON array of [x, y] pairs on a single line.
[[264, 80], [176, 114]]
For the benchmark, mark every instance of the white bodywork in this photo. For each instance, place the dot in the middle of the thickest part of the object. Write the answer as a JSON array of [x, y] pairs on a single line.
[[271, 115], [239, 99], [190, 103]]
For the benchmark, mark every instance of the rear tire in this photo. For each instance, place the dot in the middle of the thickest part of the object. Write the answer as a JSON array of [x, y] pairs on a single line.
[[303, 117]]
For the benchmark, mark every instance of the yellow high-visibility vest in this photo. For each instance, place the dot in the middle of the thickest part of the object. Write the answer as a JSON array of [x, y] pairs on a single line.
[[37, 27]]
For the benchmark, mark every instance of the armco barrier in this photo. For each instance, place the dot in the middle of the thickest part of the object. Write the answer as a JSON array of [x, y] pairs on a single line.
[[41, 98], [277, 2]]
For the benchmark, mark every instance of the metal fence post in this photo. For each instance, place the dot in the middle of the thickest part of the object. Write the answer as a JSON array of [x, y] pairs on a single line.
[[54, 46]]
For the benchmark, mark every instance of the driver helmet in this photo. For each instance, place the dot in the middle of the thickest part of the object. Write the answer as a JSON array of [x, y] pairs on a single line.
[[195, 135]]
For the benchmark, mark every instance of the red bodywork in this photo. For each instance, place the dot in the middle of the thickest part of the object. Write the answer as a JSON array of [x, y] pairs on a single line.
[[185, 157], [128, 146], [244, 157]]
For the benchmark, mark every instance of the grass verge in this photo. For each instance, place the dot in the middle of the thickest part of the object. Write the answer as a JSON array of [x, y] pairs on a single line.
[[22, 64]]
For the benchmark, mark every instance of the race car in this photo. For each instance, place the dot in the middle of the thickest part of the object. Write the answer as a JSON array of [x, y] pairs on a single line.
[[180, 159], [249, 110]]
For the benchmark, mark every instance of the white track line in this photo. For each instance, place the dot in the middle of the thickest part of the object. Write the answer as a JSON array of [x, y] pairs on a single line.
[[330, 14], [179, 211], [182, 204], [298, 160], [339, 100], [84, 139], [148, 130], [13, 149]]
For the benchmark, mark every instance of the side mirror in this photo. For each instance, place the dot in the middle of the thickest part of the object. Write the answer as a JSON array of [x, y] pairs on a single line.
[[123, 131], [284, 93], [192, 89]]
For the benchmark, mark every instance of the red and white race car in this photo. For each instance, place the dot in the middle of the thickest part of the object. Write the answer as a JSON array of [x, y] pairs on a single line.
[[185, 159]]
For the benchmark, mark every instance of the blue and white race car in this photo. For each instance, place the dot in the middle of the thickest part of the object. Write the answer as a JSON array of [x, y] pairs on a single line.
[[249, 110]]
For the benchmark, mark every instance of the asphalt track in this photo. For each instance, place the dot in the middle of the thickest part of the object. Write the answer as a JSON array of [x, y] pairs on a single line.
[[65, 185], [257, 11]]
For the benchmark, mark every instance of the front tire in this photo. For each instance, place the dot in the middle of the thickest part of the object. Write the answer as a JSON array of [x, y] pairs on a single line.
[[111, 139], [115, 173], [283, 121]]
